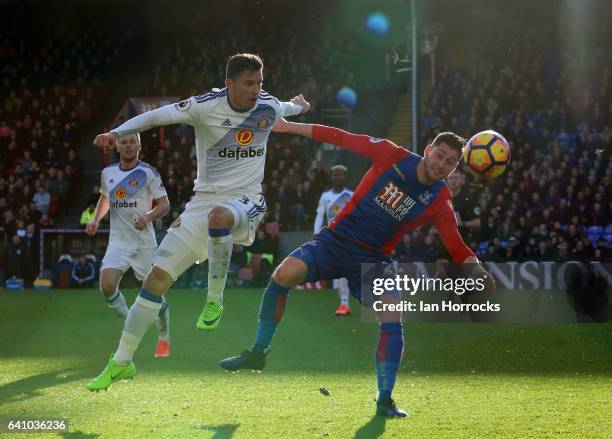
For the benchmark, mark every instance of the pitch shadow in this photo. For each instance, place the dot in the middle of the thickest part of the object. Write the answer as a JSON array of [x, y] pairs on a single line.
[[374, 428], [32, 386], [225, 431]]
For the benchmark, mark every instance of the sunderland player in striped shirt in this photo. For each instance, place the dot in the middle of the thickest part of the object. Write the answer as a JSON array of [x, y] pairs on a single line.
[[330, 204], [128, 189], [232, 126], [400, 192]]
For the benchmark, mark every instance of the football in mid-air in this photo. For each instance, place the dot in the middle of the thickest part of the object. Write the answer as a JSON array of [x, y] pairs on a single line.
[[487, 154]]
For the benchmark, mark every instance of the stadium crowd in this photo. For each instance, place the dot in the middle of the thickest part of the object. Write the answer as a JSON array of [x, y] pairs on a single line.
[[552, 203], [52, 80]]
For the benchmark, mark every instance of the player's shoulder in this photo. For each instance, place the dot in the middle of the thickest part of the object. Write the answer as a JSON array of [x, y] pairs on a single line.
[[266, 97], [148, 168], [442, 190], [110, 168], [389, 143], [387, 150], [211, 97], [412, 155]]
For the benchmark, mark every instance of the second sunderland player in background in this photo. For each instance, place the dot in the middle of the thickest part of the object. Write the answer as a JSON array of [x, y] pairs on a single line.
[[232, 126], [128, 189], [330, 205]]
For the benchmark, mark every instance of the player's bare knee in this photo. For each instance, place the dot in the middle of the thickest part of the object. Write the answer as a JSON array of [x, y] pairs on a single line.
[[220, 217], [107, 287], [157, 281], [290, 273], [109, 281]]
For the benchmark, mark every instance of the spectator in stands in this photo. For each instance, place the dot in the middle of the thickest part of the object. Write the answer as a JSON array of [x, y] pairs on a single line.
[[543, 252], [296, 200], [31, 244], [15, 258], [277, 214], [46, 222], [88, 215], [404, 251], [160, 230], [263, 243], [310, 200], [488, 230], [42, 199], [25, 164], [83, 273], [428, 252], [580, 252], [58, 186], [8, 222]]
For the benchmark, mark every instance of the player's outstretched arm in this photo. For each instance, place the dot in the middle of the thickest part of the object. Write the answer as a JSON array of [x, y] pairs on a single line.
[[106, 141], [358, 143], [101, 210], [184, 112], [446, 223], [282, 125]]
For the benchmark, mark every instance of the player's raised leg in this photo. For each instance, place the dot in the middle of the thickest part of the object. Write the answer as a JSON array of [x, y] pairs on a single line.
[[220, 245], [173, 258], [291, 272], [109, 287]]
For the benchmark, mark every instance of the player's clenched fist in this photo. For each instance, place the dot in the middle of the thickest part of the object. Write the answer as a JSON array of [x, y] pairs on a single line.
[[91, 228], [141, 222], [299, 100], [106, 141]]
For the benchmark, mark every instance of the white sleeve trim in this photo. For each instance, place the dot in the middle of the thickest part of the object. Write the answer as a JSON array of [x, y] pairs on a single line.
[[290, 109]]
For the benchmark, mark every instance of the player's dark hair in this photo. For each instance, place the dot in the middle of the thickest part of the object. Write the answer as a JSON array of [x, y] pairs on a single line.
[[240, 62], [455, 141]]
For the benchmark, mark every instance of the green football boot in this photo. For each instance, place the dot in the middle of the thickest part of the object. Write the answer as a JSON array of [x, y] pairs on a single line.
[[210, 317], [111, 374]]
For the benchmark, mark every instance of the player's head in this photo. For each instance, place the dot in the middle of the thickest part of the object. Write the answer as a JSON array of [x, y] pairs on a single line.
[[338, 176], [128, 147], [443, 155], [455, 180], [243, 78]]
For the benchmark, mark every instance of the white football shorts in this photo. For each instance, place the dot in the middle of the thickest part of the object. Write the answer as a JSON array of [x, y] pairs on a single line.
[[188, 243], [140, 260]]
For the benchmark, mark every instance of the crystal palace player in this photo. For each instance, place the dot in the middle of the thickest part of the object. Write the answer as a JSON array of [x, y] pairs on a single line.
[[400, 192], [232, 126]]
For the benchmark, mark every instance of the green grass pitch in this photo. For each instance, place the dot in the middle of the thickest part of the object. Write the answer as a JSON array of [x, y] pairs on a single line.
[[457, 380]]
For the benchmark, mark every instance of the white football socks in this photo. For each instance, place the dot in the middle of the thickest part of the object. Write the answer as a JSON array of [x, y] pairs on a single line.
[[343, 291], [163, 322], [141, 316], [219, 255], [117, 303]]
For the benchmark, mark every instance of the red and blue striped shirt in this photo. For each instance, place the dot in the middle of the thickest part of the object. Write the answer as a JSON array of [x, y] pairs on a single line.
[[390, 201]]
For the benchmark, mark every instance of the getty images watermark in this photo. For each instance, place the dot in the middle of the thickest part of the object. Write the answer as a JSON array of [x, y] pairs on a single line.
[[399, 285], [425, 293], [526, 292]]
